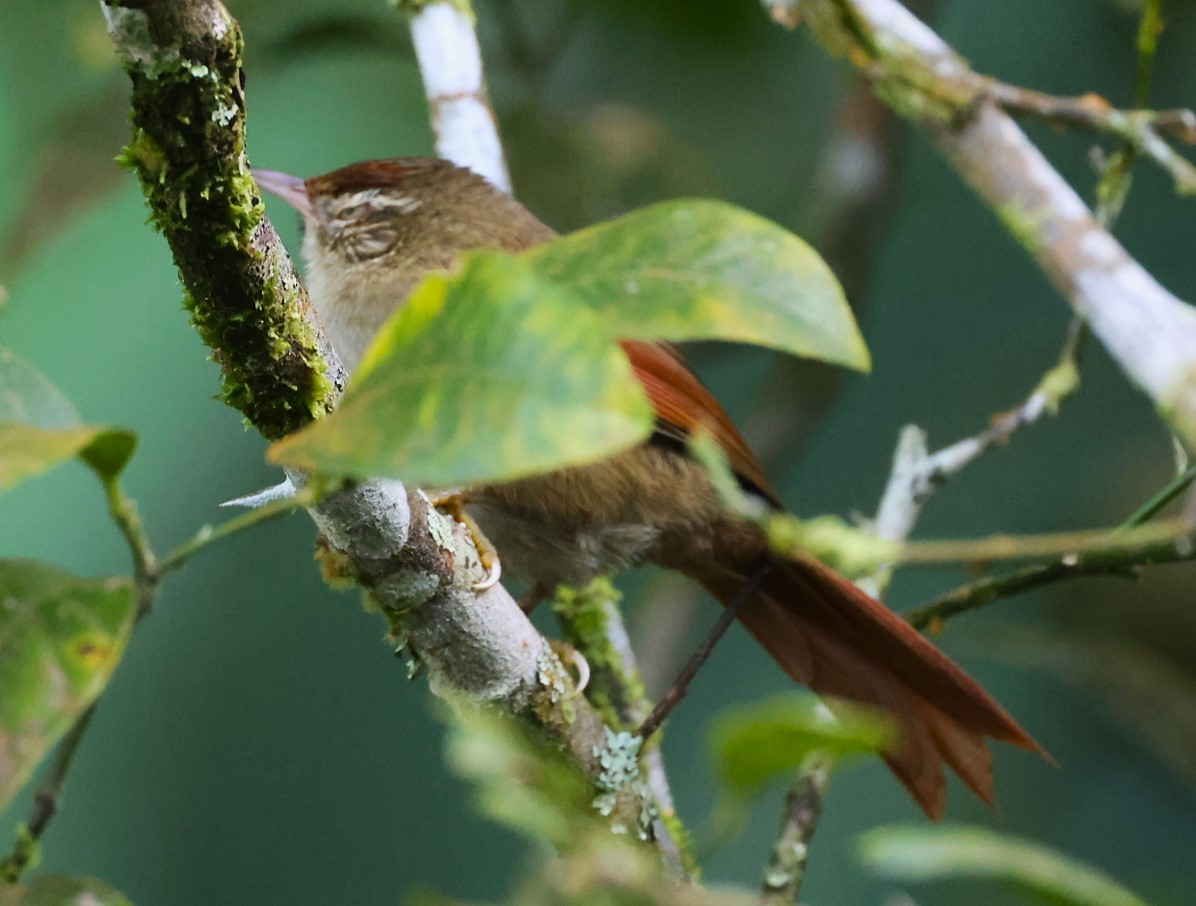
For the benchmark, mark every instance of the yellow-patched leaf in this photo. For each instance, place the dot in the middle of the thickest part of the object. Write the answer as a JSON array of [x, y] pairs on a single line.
[[491, 373], [700, 269], [61, 637]]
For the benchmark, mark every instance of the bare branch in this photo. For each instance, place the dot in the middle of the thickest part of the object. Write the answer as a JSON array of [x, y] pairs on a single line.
[[917, 473], [1148, 331], [450, 62]]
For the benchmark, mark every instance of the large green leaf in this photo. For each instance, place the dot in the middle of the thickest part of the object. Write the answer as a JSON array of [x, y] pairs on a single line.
[[492, 373], [60, 639], [63, 890], [703, 269], [916, 853], [754, 744], [39, 428]]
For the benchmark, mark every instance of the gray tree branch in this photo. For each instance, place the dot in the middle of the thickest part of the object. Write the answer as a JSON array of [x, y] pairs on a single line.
[[1148, 331]]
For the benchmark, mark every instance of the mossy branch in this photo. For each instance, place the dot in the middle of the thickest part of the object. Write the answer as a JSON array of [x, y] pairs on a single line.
[[188, 150]]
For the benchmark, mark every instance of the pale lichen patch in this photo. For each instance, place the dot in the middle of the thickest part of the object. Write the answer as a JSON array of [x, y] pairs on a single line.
[[619, 775]]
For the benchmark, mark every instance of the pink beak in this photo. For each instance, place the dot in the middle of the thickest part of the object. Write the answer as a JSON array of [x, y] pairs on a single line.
[[290, 189]]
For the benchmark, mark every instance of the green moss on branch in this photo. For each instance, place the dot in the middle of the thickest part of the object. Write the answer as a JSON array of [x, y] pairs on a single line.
[[188, 149]]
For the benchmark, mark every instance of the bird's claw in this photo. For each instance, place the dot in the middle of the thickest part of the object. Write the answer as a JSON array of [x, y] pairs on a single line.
[[493, 571], [453, 503], [575, 659]]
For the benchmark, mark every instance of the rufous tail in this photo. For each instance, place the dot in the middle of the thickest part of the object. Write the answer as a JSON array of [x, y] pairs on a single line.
[[831, 636]]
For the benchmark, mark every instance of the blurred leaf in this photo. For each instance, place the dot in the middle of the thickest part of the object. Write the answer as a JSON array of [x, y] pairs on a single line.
[[754, 744], [915, 853], [29, 397], [520, 782], [63, 890], [39, 428], [26, 451], [527, 785], [75, 167], [704, 269], [60, 639], [491, 373]]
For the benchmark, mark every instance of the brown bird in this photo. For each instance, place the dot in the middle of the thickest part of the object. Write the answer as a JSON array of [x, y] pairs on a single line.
[[373, 230]]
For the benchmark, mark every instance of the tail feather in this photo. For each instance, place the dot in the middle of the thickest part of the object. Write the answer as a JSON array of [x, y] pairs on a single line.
[[827, 634]]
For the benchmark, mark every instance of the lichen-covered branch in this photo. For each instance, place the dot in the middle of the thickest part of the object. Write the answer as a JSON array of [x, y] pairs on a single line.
[[250, 308], [450, 62], [786, 870], [1150, 332], [591, 620]]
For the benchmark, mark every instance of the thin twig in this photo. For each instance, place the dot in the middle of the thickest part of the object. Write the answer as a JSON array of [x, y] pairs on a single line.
[[208, 536], [917, 473], [123, 513], [1096, 563], [1103, 541], [1142, 130], [25, 851], [786, 870], [680, 685]]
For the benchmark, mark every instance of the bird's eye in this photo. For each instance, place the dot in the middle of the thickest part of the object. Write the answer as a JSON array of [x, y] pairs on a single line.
[[353, 212], [373, 243]]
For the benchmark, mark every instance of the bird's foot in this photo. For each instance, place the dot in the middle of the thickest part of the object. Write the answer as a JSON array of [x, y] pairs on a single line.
[[452, 503], [571, 657]]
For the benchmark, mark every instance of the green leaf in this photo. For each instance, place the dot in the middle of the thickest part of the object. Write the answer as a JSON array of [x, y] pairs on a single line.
[[63, 890], [703, 269], [60, 639], [26, 450], [39, 428], [915, 853], [29, 397], [491, 373], [754, 744]]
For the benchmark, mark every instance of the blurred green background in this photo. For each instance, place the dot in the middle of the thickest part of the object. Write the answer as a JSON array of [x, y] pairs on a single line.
[[260, 744]]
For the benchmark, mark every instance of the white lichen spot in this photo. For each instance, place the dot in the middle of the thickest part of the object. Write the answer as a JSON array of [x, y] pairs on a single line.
[[552, 675], [778, 877], [224, 115], [440, 527], [620, 772], [130, 32]]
